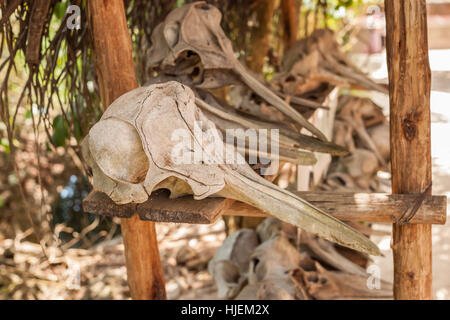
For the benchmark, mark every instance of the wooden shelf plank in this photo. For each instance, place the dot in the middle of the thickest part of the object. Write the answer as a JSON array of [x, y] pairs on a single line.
[[369, 207], [159, 208]]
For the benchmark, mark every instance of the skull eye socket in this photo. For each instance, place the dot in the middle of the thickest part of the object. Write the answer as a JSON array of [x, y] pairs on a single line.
[[196, 75], [290, 78], [190, 53]]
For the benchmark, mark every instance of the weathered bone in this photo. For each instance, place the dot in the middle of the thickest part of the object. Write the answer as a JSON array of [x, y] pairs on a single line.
[[134, 136], [319, 58], [225, 117], [287, 149], [175, 44], [322, 284], [271, 262], [229, 266], [288, 137], [326, 252]]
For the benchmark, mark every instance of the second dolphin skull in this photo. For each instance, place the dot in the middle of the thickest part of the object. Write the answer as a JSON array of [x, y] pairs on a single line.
[[191, 45]]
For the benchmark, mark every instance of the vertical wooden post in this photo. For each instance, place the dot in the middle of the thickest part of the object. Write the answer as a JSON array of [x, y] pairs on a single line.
[[409, 87], [290, 16], [115, 70], [261, 34]]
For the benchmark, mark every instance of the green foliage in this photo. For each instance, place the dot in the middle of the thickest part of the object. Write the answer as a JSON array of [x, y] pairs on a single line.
[[345, 3], [60, 9], [179, 3], [5, 144], [60, 131]]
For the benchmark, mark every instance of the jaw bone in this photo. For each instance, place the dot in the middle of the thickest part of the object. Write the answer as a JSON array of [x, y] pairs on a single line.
[[131, 152], [191, 44]]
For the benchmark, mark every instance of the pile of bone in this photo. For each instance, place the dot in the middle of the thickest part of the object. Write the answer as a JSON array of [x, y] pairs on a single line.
[[233, 97], [363, 129], [269, 264], [190, 47], [317, 61]]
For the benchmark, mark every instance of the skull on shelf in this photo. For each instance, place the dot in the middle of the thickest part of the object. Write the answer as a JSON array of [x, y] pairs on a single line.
[[135, 149]]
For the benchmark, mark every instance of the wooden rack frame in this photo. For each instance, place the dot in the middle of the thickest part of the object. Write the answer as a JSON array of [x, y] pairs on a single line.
[[346, 206], [411, 208]]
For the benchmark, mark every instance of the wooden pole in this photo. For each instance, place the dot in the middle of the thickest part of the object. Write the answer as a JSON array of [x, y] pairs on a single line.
[[116, 74], [261, 34], [409, 87], [290, 16]]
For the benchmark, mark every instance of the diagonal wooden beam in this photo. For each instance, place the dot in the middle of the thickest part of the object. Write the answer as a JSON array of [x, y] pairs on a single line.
[[116, 74], [409, 93]]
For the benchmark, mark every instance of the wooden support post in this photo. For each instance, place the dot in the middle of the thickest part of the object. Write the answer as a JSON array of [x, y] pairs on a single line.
[[409, 87], [289, 13], [260, 37], [115, 70]]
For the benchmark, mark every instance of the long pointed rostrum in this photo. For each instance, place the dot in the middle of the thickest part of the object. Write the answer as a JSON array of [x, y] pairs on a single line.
[[248, 187]]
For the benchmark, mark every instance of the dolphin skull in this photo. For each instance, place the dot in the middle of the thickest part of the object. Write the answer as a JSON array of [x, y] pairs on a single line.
[[191, 45], [131, 153]]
